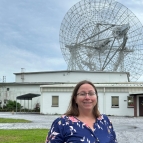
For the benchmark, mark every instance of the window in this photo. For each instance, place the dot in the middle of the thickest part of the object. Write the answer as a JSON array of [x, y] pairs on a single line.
[[115, 101], [55, 101], [5, 101], [130, 101]]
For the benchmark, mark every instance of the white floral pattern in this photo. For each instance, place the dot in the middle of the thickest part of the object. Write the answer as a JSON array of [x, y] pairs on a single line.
[[71, 130]]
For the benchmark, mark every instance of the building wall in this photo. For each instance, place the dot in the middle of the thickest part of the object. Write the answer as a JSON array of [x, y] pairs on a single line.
[[108, 84], [122, 110], [46, 102], [101, 102], [104, 99], [17, 90], [69, 77]]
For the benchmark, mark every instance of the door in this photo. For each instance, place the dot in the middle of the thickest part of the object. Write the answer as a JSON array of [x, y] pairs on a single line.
[[140, 106]]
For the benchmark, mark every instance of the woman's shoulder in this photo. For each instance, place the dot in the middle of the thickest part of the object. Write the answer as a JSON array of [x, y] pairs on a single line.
[[62, 117], [103, 117]]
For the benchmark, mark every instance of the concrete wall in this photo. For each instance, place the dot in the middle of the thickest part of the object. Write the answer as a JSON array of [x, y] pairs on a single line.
[[46, 102], [122, 110], [17, 90], [64, 91], [104, 100], [69, 77], [108, 84]]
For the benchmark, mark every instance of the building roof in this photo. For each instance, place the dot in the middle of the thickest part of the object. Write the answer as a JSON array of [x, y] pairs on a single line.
[[136, 94], [77, 71], [27, 96], [27, 83]]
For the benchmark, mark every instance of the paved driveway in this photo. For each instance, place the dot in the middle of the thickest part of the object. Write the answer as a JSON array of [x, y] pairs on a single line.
[[128, 129]]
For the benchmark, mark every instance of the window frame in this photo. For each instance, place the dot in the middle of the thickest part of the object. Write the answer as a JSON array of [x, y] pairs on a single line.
[[114, 106], [54, 105], [132, 102]]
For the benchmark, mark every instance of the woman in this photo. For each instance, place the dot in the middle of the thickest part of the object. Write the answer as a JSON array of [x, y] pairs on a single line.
[[82, 123]]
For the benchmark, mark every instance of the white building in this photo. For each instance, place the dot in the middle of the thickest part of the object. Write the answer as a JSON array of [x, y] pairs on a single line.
[[116, 95]]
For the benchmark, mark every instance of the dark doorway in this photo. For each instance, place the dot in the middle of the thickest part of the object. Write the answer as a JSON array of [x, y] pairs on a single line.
[[140, 106]]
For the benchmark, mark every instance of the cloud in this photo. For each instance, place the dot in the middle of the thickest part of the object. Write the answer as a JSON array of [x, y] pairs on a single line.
[[21, 58], [135, 6], [29, 34], [138, 2]]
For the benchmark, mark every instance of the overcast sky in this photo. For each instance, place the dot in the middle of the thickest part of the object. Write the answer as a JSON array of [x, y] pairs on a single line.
[[29, 34]]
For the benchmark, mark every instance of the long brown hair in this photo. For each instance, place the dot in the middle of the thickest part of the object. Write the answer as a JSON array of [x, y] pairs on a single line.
[[73, 108]]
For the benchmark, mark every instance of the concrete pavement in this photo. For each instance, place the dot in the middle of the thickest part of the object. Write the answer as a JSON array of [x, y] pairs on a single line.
[[128, 129]]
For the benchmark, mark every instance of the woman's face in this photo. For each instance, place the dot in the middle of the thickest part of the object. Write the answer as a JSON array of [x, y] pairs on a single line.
[[86, 101]]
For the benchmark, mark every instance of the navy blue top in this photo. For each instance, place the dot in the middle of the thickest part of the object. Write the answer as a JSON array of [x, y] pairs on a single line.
[[71, 130]]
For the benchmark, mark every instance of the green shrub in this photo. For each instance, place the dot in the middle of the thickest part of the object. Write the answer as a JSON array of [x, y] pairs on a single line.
[[11, 106]]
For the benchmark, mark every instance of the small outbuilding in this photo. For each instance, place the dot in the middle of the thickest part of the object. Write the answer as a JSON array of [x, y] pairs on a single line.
[[28, 97]]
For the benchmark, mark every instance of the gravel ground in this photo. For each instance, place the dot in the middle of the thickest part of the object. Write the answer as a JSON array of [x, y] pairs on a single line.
[[128, 129]]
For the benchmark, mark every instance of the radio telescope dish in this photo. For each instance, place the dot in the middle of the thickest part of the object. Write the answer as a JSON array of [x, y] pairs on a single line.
[[102, 35]]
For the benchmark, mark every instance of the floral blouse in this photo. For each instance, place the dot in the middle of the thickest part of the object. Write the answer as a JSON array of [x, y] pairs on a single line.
[[71, 130]]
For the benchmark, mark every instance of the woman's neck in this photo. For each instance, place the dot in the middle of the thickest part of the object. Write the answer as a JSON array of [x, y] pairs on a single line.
[[88, 119], [86, 115]]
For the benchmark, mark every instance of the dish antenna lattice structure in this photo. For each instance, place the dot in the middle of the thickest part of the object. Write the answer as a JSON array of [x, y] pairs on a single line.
[[102, 35]]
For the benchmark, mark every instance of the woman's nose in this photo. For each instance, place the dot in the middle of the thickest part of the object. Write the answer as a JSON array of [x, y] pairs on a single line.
[[87, 95]]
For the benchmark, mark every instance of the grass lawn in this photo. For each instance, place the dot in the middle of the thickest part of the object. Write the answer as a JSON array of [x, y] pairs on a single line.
[[21, 135], [9, 120]]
